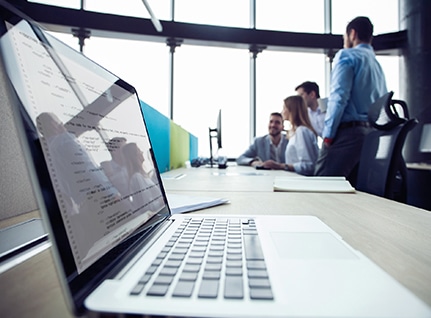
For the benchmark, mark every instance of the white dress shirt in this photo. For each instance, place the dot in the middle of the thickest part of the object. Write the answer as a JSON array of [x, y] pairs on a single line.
[[302, 151], [317, 118]]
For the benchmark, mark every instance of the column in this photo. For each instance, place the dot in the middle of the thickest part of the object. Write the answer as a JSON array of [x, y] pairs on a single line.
[[415, 71]]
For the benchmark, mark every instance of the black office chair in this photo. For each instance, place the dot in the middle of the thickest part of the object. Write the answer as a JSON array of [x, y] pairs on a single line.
[[382, 169]]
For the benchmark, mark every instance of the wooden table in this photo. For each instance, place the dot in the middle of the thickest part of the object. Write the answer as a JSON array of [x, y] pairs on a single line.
[[395, 236]]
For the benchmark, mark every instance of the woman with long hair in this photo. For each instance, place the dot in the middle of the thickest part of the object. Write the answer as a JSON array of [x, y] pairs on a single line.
[[302, 149]]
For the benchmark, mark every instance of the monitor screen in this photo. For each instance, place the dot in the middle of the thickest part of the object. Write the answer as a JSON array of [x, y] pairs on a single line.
[[215, 133], [219, 140]]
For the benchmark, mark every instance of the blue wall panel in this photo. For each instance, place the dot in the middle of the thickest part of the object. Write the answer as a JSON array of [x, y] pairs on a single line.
[[158, 127], [193, 147]]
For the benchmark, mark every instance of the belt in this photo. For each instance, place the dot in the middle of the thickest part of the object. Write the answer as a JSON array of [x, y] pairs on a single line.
[[350, 124]]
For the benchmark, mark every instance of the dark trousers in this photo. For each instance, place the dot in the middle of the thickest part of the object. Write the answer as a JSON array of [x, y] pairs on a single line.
[[341, 158]]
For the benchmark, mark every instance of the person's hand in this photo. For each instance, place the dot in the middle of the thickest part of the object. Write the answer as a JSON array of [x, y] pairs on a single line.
[[271, 164], [256, 162], [327, 142]]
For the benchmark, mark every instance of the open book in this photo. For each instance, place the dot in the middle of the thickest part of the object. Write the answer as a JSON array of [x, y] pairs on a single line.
[[313, 184]]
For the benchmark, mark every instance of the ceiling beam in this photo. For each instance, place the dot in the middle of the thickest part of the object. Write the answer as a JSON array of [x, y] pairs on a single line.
[[114, 26]]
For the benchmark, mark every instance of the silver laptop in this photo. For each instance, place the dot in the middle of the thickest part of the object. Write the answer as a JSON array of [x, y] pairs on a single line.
[[117, 247]]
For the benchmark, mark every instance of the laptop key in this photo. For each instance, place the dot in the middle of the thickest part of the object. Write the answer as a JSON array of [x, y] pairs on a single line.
[[158, 290], [168, 271], [213, 267], [137, 289], [233, 288], [190, 276], [234, 271], [256, 265], [259, 283], [183, 289], [208, 288], [257, 273], [252, 247], [261, 293], [173, 263], [151, 270], [192, 268], [163, 280], [145, 279], [211, 275]]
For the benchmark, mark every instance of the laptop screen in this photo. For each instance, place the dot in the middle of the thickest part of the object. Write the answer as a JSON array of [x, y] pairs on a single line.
[[101, 183]]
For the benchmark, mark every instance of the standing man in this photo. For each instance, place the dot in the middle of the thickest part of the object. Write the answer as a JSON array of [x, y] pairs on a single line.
[[267, 151], [357, 80], [310, 92]]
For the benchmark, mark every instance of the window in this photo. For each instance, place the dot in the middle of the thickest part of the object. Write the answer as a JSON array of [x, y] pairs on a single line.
[[382, 13], [74, 4], [133, 8], [278, 73], [232, 13], [208, 79], [391, 68], [294, 16], [145, 65]]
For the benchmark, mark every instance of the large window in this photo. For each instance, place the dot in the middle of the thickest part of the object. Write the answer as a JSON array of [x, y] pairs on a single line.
[[133, 8], [74, 4], [233, 13], [382, 13], [208, 79], [278, 74], [294, 16], [143, 64], [391, 68]]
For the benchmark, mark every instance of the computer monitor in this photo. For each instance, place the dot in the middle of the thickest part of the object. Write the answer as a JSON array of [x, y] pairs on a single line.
[[215, 133]]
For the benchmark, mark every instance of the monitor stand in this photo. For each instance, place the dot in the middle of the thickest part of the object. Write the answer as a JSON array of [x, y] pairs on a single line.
[[212, 134]]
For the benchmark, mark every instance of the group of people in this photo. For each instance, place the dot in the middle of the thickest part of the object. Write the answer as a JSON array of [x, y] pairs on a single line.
[[357, 80]]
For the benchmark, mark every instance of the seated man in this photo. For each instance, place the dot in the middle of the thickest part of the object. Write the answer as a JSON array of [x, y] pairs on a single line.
[[267, 151]]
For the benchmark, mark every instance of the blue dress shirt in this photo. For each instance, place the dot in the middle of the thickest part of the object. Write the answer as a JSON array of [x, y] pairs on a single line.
[[357, 80]]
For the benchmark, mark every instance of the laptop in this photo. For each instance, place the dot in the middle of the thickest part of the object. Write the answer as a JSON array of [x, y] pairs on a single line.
[[118, 249]]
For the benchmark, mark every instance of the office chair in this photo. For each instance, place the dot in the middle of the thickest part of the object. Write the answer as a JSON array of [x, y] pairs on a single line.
[[382, 169]]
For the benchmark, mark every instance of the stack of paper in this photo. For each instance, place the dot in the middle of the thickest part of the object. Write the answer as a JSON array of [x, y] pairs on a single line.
[[180, 203], [313, 184]]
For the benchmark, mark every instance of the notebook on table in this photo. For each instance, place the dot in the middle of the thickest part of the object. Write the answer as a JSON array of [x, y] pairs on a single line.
[[312, 184], [116, 245]]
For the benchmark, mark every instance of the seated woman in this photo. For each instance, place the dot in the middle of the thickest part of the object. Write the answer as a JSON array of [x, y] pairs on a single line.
[[302, 149]]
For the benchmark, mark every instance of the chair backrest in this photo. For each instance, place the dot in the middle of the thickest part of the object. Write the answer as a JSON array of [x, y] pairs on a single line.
[[382, 169], [386, 113]]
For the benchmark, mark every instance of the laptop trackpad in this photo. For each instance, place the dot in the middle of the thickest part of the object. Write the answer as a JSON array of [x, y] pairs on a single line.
[[310, 246]]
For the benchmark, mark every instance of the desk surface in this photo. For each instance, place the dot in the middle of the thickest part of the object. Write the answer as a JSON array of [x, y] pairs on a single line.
[[395, 236], [234, 178]]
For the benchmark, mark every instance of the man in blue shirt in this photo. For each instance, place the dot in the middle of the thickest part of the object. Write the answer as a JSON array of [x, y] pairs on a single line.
[[357, 80]]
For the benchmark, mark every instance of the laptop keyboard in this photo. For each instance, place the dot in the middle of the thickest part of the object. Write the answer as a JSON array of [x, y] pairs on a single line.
[[209, 258]]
